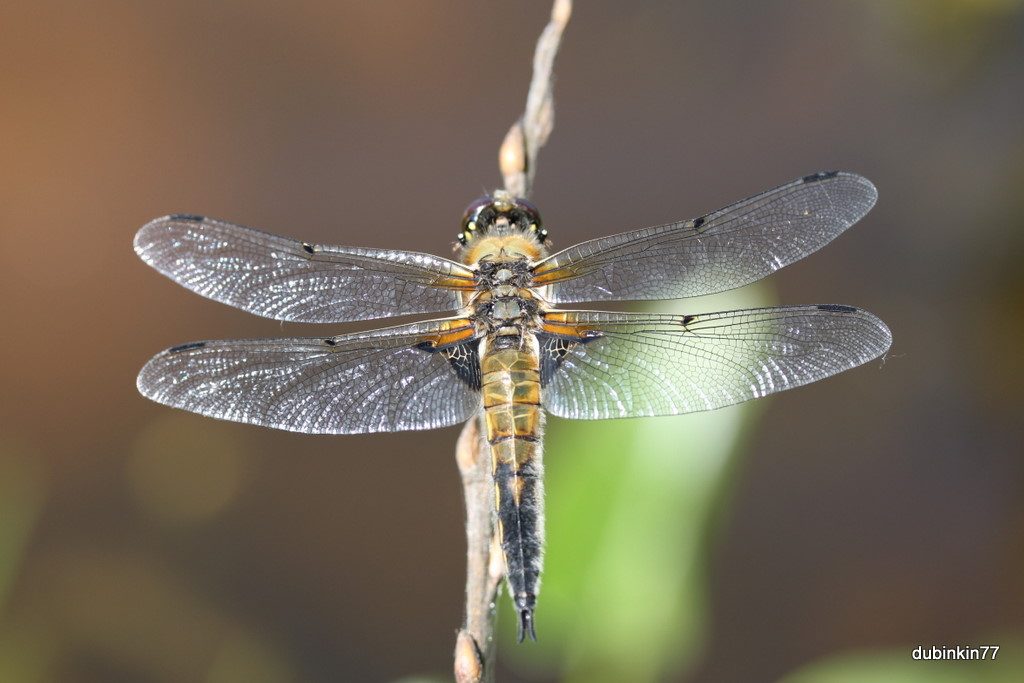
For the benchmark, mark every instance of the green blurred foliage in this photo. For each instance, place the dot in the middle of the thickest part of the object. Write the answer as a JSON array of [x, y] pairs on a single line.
[[21, 497], [24, 651], [951, 39], [247, 658]]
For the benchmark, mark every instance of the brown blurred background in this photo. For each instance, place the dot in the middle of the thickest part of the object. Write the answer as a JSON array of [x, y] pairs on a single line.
[[881, 509]]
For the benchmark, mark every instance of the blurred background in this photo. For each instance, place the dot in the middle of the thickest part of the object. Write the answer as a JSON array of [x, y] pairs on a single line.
[[818, 535]]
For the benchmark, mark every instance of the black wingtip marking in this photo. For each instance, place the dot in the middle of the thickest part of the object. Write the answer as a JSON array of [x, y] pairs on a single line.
[[699, 222], [186, 347], [191, 217], [308, 248], [837, 308], [330, 341], [526, 625], [824, 175]]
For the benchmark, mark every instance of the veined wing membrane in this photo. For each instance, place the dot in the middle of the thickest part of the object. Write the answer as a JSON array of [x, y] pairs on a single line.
[[722, 250], [386, 380], [286, 279], [635, 364]]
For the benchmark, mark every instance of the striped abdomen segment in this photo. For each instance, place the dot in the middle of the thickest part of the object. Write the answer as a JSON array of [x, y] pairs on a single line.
[[514, 420]]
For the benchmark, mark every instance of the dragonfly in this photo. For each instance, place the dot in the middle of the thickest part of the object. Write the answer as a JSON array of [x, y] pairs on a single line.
[[504, 352]]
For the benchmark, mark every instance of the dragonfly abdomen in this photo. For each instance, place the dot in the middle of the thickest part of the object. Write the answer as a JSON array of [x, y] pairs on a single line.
[[515, 421]]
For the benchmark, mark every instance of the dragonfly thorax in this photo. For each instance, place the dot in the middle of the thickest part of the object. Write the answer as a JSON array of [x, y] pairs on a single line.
[[497, 275], [500, 311], [507, 309], [505, 295]]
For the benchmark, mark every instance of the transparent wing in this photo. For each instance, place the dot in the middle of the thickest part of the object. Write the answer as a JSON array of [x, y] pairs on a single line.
[[633, 365], [728, 248], [387, 380], [286, 279]]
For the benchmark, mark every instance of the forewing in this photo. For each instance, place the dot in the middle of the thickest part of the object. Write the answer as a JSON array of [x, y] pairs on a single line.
[[388, 380], [286, 279], [606, 365], [728, 248]]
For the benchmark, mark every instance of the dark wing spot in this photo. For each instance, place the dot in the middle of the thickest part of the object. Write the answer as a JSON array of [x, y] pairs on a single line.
[[308, 248], [554, 349], [837, 308], [186, 347], [824, 175], [331, 341], [698, 222], [465, 361], [187, 217], [687, 319]]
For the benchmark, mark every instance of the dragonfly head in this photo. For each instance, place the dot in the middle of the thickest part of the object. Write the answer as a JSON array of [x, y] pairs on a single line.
[[501, 215]]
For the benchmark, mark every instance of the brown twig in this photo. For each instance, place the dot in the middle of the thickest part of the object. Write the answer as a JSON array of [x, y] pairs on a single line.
[[517, 158], [475, 645]]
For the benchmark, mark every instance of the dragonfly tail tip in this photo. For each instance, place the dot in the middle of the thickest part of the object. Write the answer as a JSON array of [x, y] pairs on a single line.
[[526, 625]]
